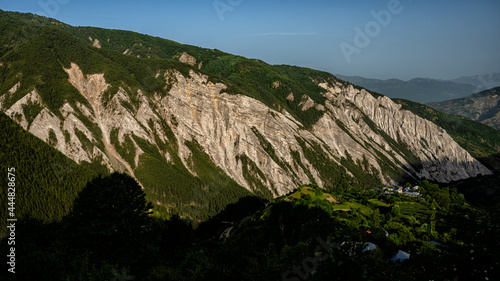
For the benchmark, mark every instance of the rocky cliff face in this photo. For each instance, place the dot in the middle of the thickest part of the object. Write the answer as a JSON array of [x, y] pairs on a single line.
[[483, 107], [243, 136]]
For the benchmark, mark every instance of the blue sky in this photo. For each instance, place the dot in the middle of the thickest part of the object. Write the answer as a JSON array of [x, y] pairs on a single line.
[[441, 39]]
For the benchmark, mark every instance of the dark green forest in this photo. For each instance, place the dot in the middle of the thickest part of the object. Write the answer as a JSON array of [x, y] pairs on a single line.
[[307, 234], [47, 181]]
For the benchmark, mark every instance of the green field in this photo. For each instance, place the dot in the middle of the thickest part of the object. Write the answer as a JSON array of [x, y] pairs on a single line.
[[367, 211], [414, 209], [302, 192], [378, 203]]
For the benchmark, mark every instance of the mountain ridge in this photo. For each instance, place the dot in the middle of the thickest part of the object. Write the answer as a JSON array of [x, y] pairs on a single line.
[[193, 125], [483, 107]]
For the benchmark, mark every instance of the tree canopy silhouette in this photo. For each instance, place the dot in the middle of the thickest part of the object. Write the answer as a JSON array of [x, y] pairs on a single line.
[[110, 217]]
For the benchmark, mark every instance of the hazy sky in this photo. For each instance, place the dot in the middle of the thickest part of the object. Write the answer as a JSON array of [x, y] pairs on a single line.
[[382, 39]]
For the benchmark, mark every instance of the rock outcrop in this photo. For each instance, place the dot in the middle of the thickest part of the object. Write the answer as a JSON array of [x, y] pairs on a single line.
[[188, 59], [228, 127]]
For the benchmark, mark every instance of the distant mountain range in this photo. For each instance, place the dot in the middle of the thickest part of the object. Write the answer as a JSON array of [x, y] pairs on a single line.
[[425, 90], [483, 107], [482, 82]]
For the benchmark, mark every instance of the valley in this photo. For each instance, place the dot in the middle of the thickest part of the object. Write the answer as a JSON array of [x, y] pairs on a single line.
[[146, 157]]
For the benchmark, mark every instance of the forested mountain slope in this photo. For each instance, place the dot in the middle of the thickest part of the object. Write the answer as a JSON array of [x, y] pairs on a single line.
[[200, 128], [46, 181], [483, 107]]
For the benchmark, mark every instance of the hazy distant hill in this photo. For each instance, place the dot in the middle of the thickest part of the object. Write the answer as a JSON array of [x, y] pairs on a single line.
[[482, 82], [483, 107], [422, 90]]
